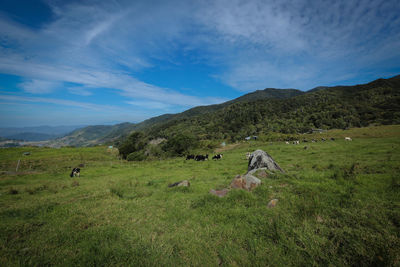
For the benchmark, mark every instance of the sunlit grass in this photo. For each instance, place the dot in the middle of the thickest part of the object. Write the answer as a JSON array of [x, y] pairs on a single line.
[[339, 204]]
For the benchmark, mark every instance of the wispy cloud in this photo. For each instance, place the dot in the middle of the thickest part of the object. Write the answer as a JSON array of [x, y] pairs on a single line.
[[247, 45], [80, 90], [149, 104], [302, 43], [39, 86], [57, 102]]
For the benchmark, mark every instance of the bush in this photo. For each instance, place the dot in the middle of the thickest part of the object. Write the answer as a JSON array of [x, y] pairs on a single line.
[[133, 143], [180, 144], [136, 156]]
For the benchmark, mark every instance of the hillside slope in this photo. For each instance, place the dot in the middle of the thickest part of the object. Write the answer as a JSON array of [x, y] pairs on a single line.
[[94, 135], [261, 112], [377, 102], [105, 134]]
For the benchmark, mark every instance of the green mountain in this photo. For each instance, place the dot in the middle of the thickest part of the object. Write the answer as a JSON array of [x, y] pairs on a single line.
[[262, 112], [377, 102], [94, 135], [114, 134]]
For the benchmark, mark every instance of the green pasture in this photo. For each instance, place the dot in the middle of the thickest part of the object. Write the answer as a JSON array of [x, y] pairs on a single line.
[[339, 205]]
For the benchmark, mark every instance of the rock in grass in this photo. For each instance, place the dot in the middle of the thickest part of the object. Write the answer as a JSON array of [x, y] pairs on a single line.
[[272, 203], [180, 183], [260, 159], [247, 182], [219, 193], [260, 173]]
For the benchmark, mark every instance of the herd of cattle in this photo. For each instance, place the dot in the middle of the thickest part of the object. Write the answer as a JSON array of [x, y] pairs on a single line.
[[297, 142], [202, 157], [76, 171]]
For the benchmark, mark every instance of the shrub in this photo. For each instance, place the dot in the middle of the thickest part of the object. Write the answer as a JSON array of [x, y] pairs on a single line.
[[133, 143], [136, 156], [180, 144], [13, 191]]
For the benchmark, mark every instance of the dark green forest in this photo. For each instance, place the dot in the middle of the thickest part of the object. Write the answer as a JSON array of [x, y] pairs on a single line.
[[340, 107]]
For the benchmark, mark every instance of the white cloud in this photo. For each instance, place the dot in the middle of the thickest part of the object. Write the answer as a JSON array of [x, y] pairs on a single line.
[[80, 90], [58, 102], [149, 104], [39, 86], [301, 43], [251, 44]]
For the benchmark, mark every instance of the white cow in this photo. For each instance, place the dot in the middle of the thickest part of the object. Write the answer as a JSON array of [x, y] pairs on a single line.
[[348, 139]]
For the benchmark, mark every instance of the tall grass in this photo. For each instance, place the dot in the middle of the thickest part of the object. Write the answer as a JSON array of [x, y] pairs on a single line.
[[338, 205]]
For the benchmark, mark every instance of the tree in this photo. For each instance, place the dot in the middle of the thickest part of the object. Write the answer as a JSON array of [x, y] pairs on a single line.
[[133, 143], [180, 144]]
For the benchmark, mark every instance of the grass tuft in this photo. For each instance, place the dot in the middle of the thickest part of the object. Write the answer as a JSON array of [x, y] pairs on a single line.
[[13, 191]]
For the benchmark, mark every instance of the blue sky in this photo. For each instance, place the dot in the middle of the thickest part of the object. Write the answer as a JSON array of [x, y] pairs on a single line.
[[96, 62]]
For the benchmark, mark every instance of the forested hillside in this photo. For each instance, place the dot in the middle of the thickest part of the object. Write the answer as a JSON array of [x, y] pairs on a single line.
[[114, 134], [341, 107], [377, 102]]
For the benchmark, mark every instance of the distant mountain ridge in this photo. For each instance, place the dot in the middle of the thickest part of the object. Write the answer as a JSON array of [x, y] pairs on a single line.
[[32, 137], [37, 133]]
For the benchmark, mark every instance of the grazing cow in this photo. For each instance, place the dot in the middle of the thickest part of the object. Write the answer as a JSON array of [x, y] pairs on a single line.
[[305, 140], [286, 142], [323, 139], [189, 157], [348, 139], [296, 142], [314, 141], [75, 172], [218, 156], [201, 157], [332, 139]]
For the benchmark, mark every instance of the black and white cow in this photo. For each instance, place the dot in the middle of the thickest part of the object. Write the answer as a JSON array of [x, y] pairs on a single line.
[[75, 172], [191, 156], [201, 157], [218, 156]]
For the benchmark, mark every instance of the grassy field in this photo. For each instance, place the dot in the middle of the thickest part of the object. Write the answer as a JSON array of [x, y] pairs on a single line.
[[339, 205]]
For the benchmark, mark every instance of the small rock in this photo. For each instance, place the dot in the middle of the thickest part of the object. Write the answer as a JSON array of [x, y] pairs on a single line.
[[272, 203], [184, 183], [180, 183], [261, 174], [247, 182], [219, 193]]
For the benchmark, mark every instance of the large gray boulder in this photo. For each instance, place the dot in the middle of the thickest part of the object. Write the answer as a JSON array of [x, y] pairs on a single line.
[[260, 159]]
